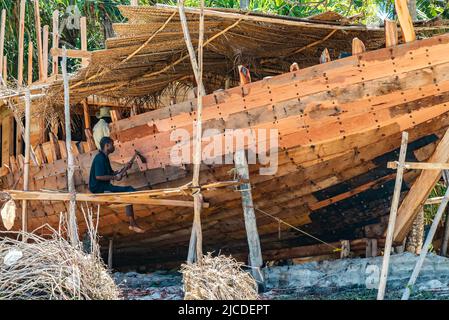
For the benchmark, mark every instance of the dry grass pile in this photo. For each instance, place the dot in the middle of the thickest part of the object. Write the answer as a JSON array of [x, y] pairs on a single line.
[[50, 268], [218, 278]]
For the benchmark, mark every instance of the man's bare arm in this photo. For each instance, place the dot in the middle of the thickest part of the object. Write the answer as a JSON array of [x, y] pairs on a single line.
[[105, 178]]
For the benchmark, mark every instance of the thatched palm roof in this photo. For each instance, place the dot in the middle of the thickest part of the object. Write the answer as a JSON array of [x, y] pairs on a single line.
[[149, 51]]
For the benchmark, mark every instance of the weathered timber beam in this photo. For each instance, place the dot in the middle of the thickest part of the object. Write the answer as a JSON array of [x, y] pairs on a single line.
[[98, 198]]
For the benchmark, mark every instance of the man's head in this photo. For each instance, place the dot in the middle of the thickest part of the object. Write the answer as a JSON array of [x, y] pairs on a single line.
[[105, 114], [107, 145]]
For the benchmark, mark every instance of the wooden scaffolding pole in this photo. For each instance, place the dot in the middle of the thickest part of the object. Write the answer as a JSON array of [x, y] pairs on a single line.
[[37, 18], [73, 228], [405, 20], [392, 219], [5, 69], [45, 52], [2, 39], [196, 241], [55, 42], [255, 252], [426, 246], [26, 168], [188, 40], [21, 40], [30, 63], [391, 33], [83, 25]]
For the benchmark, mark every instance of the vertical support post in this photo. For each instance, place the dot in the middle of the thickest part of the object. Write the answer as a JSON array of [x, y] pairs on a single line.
[[7, 141], [5, 69], [345, 249], [358, 46], [30, 63], [21, 40], [392, 218], [86, 115], [255, 252], [110, 252], [45, 53], [405, 20], [19, 138], [55, 42], [26, 167], [83, 25], [73, 228], [426, 246], [2, 39], [197, 67], [371, 248], [391, 33], [135, 2], [325, 56], [188, 41], [37, 18]]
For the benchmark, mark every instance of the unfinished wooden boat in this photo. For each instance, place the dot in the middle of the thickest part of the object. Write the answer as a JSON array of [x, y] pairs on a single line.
[[338, 124]]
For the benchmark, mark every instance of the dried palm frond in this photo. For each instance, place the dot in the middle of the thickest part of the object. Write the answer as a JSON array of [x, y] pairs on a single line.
[[218, 278]]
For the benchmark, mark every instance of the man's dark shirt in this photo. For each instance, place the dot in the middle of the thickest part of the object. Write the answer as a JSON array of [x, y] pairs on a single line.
[[100, 167]]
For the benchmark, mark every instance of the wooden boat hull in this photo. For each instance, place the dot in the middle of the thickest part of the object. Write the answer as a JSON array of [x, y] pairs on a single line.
[[338, 124]]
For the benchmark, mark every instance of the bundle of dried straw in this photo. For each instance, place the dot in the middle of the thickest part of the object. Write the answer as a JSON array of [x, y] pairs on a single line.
[[51, 268], [218, 278]]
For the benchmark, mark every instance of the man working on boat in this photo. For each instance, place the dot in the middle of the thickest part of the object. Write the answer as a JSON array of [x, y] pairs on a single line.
[[101, 176]]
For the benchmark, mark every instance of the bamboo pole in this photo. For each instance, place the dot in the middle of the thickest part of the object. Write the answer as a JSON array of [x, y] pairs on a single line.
[[37, 19], [2, 40], [392, 219], [45, 53], [30, 63], [188, 40], [26, 168], [73, 228], [21, 40], [426, 246], [197, 66], [83, 24], [134, 2], [55, 42]]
